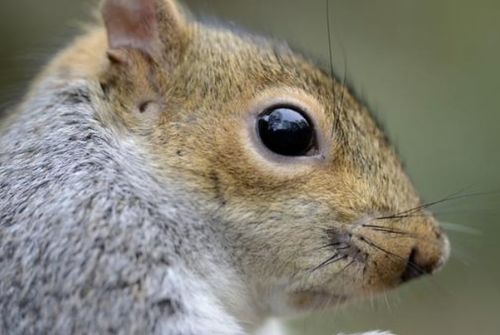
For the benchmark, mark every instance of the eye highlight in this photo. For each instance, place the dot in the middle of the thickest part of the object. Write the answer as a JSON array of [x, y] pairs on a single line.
[[286, 131]]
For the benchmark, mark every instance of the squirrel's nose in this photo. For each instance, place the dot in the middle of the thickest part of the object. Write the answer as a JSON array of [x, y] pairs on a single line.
[[414, 268], [419, 264]]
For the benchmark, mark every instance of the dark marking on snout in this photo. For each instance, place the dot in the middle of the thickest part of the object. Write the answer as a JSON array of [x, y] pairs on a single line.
[[341, 242], [415, 268]]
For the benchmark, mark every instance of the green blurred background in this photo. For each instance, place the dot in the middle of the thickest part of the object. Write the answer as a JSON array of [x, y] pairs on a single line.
[[429, 69]]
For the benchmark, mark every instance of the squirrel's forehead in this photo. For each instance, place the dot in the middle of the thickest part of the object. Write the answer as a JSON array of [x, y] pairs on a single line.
[[255, 61], [249, 50]]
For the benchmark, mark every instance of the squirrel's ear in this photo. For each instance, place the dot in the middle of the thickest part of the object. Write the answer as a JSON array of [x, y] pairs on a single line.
[[151, 26]]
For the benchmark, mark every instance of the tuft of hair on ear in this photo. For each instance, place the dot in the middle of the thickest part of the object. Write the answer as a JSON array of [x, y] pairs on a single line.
[[153, 27]]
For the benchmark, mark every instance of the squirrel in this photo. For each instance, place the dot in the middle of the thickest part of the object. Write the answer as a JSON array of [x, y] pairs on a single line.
[[168, 176]]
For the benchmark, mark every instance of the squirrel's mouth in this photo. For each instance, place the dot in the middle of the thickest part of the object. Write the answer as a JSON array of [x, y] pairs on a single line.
[[364, 260]]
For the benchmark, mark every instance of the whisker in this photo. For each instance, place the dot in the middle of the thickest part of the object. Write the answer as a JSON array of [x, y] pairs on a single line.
[[335, 258], [344, 79], [324, 262], [370, 243], [411, 264], [390, 231], [465, 211], [328, 26], [413, 212], [337, 107], [348, 265], [461, 256], [459, 228], [451, 197], [403, 234], [400, 216], [386, 299], [386, 229], [334, 244], [330, 54]]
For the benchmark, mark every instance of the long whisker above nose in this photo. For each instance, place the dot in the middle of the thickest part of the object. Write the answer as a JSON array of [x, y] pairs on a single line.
[[401, 233], [450, 226], [454, 196], [386, 229]]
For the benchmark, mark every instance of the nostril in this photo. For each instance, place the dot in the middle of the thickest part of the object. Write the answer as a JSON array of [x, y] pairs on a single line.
[[413, 268]]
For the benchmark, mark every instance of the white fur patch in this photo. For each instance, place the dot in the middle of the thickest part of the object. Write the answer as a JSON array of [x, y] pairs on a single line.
[[271, 327]]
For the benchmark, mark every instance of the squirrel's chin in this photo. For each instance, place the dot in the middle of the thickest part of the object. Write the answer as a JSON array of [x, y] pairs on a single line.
[[305, 301]]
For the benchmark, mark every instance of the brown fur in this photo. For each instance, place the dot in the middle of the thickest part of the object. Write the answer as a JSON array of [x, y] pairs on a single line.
[[276, 213]]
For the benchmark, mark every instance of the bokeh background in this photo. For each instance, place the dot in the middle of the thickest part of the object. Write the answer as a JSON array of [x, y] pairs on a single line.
[[429, 69]]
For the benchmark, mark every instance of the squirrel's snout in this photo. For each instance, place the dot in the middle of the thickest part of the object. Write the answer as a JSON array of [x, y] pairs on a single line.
[[423, 261]]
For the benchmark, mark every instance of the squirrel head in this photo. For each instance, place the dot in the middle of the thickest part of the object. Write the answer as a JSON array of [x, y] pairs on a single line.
[[311, 199]]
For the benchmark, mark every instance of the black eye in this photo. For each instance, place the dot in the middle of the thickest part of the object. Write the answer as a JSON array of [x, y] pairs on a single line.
[[286, 131]]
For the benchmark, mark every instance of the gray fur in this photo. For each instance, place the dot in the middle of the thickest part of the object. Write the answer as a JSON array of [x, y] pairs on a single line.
[[175, 219], [90, 241]]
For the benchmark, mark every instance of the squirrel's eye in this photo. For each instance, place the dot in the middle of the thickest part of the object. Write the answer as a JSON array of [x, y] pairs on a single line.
[[286, 131]]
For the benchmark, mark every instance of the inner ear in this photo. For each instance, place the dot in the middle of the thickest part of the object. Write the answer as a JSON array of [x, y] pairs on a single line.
[[131, 24], [150, 26]]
